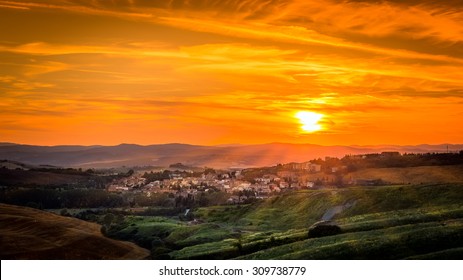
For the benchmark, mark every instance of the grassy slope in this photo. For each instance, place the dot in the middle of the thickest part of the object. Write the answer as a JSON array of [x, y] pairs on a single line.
[[412, 175], [162, 234], [402, 175], [27, 233], [387, 217], [301, 209], [13, 177], [388, 243]]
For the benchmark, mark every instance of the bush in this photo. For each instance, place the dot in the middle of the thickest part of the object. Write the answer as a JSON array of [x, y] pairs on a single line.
[[160, 253], [323, 228], [104, 230], [156, 242], [64, 212]]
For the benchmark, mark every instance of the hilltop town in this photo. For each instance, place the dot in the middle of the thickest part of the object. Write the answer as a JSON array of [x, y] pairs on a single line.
[[246, 185]]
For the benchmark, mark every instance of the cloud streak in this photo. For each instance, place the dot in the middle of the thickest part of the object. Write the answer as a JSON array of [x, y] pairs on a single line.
[[231, 71]]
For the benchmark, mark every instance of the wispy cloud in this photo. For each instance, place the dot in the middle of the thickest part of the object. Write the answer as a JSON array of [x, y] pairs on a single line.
[[71, 7], [231, 69], [13, 7]]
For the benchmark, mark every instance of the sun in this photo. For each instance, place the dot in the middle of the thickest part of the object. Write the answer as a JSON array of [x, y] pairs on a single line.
[[309, 121]]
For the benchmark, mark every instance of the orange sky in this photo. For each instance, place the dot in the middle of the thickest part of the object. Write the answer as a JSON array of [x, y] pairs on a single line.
[[214, 72]]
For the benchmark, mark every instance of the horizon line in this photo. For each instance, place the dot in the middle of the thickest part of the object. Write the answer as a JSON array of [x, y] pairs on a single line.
[[225, 144]]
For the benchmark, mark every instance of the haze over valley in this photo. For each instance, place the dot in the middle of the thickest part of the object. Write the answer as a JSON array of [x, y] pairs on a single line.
[[408, 205], [239, 156]]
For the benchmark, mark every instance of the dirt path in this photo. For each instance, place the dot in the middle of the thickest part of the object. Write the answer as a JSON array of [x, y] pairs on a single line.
[[330, 213]]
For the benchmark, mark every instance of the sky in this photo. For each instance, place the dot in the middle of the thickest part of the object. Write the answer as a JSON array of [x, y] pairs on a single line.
[[214, 72]]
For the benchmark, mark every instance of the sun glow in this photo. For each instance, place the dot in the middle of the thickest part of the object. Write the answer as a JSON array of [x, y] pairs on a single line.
[[309, 121], [322, 72]]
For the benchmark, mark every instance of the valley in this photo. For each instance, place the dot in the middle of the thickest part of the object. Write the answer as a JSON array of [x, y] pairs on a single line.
[[373, 206]]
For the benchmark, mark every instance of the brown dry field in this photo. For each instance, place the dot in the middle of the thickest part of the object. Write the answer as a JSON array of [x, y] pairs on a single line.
[[27, 233], [412, 175], [400, 175]]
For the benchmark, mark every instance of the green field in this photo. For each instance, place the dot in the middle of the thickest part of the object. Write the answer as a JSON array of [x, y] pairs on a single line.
[[391, 222]]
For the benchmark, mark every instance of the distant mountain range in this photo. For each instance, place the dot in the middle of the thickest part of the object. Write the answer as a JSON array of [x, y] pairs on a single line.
[[240, 156]]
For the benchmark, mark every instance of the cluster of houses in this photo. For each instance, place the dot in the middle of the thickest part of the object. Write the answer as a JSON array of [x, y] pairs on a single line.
[[290, 177], [236, 186]]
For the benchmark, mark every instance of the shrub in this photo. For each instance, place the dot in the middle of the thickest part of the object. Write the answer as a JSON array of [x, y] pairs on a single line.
[[323, 228], [104, 230]]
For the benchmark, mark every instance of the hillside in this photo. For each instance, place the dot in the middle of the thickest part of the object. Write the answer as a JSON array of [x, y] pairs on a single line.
[[212, 156], [423, 221], [21, 177], [412, 175], [390, 222], [298, 210], [27, 233]]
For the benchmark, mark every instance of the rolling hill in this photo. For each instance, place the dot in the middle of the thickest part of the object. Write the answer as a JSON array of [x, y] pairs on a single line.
[[27, 233], [423, 221], [212, 156], [412, 175]]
